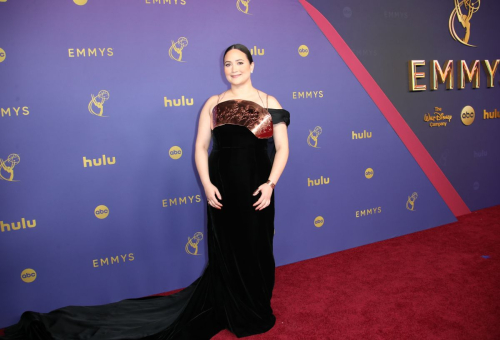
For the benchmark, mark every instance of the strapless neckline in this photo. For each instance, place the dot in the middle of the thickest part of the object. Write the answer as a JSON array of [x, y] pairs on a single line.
[[244, 113], [238, 101]]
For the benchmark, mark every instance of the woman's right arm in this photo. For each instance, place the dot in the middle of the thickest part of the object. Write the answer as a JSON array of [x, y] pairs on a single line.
[[201, 153]]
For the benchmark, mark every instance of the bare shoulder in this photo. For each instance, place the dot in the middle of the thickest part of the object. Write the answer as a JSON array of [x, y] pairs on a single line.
[[273, 103], [211, 102], [213, 99]]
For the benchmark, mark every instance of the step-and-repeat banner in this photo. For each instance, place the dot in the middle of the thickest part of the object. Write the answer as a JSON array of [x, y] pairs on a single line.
[[99, 106]]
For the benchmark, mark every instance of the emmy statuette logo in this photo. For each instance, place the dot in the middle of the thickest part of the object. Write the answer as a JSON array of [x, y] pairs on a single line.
[[80, 2], [242, 6], [96, 104], [312, 139], [319, 221], [303, 50], [410, 203], [2, 54], [467, 115], [469, 8], [101, 212], [7, 167], [369, 173], [192, 244], [175, 51]]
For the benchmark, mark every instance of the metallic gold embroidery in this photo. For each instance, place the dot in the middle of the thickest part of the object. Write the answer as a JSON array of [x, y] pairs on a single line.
[[244, 113]]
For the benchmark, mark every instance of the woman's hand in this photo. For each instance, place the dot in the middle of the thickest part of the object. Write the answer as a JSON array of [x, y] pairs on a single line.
[[212, 194], [265, 196]]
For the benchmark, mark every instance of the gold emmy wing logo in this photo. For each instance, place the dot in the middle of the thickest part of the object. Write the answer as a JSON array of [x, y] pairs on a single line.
[[467, 115], [410, 204], [312, 139], [96, 103], [242, 6], [2, 52], [80, 2], [470, 7], [28, 275], [175, 51], [192, 243], [7, 167]]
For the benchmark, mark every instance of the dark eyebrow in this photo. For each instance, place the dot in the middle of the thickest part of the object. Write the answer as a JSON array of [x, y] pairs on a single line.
[[228, 61]]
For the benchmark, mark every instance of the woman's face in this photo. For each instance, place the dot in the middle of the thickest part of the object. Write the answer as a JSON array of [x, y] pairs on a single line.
[[237, 67]]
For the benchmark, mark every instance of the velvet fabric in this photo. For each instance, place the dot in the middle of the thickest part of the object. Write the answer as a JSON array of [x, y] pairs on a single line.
[[235, 289]]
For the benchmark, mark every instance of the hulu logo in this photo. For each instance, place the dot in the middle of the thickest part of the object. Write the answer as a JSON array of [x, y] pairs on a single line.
[[99, 161]]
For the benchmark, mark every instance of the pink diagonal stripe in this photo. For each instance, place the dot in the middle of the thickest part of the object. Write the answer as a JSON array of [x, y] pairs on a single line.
[[405, 133]]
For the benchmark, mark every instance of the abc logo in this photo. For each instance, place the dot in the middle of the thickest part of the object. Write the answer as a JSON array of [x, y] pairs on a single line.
[[175, 152], [101, 212], [369, 173], [303, 50], [28, 275], [319, 221], [467, 115], [2, 55]]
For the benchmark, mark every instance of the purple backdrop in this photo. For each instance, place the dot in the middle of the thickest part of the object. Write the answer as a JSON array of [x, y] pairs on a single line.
[[338, 191]]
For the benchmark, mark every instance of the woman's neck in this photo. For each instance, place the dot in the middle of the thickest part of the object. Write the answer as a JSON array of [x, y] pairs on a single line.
[[243, 90]]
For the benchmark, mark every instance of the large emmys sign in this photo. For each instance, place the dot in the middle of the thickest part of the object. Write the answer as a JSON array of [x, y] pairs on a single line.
[[462, 12], [446, 74]]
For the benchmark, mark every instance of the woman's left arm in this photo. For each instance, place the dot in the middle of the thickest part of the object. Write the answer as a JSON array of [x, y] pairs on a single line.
[[280, 136]]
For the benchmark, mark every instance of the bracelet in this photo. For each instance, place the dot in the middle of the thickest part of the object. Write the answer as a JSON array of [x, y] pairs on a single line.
[[270, 183]]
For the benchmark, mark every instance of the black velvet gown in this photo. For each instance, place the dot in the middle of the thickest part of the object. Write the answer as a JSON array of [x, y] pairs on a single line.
[[235, 289]]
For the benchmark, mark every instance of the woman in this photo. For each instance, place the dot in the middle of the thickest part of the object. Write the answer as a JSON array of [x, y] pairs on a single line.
[[238, 177], [238, 181]]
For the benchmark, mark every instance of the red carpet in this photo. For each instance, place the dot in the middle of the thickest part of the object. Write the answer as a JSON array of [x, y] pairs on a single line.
[[434, 284], [441, 283]]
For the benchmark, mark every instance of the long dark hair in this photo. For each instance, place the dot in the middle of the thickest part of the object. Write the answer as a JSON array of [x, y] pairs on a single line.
[[241, 48]]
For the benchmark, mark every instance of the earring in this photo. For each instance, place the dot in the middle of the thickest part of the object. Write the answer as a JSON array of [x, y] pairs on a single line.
[[251, 71]]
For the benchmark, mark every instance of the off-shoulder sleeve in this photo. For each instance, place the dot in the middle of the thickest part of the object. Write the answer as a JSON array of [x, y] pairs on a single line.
[[279, 116]]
